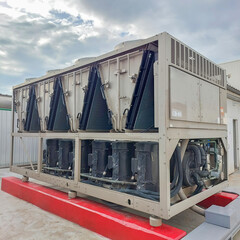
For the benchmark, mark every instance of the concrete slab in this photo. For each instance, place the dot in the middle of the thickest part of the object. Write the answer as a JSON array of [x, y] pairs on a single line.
[[21, 220]]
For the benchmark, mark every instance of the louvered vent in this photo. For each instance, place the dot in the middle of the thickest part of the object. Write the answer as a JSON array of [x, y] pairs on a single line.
[[191, 61]]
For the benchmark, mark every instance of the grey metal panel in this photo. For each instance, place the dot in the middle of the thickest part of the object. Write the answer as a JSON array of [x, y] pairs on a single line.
[[209, 102], [208, 231], [223, 217], [184, 96], [213, 230]]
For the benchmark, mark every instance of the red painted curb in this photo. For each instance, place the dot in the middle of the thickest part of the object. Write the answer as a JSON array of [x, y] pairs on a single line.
[[220, 199], [91, 215]]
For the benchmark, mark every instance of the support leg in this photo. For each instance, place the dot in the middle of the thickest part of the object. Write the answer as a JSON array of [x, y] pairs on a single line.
[[72, 194], [155, 221], [25, 178]]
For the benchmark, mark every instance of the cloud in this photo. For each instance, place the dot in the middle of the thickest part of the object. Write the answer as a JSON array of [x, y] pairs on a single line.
[[40, 35]]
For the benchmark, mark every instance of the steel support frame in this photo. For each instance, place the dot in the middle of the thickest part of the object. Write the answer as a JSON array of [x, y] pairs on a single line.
[[167, 137], [170, 136]]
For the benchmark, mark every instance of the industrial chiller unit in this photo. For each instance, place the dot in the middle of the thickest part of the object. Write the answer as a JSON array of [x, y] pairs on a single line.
[[143, 126]]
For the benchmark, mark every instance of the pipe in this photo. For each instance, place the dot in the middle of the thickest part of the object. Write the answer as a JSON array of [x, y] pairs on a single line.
[[197, 153], [176, 189], [203, 157], [175, 171], [195, 208]]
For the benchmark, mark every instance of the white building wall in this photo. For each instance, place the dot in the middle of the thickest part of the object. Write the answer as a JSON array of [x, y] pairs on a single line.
[[233, 112], [233, 73], [233, 109]]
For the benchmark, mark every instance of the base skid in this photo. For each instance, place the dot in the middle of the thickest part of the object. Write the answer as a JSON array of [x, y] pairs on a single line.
[[220, 199], [88, 214]]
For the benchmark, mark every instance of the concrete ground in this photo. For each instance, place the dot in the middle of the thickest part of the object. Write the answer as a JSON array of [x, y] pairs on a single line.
[[22, 220]]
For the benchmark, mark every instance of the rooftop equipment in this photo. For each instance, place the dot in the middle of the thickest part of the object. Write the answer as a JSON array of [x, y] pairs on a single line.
[[143, 126]]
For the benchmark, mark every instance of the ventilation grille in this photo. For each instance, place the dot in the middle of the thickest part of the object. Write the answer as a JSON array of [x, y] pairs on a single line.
[[191, 61]]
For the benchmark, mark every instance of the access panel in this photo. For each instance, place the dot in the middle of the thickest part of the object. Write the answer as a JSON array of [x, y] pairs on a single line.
[[184, 96], [193, 99]]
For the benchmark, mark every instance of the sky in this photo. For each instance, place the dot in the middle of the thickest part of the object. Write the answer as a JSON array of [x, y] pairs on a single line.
[[40, 35]]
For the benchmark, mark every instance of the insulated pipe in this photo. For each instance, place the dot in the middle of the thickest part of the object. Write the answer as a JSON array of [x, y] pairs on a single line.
[[197, 153], [195, 208], [178, 161], [181, 194], [203, 157]]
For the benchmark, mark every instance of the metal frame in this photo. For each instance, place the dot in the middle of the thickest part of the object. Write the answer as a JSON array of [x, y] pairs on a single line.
[[167, 137]]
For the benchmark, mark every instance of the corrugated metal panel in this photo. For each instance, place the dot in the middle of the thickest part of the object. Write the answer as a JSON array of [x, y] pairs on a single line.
[[5, 139], [20, 156]]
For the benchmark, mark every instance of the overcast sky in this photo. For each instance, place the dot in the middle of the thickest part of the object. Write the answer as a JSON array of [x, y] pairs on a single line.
[[36, 36]]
